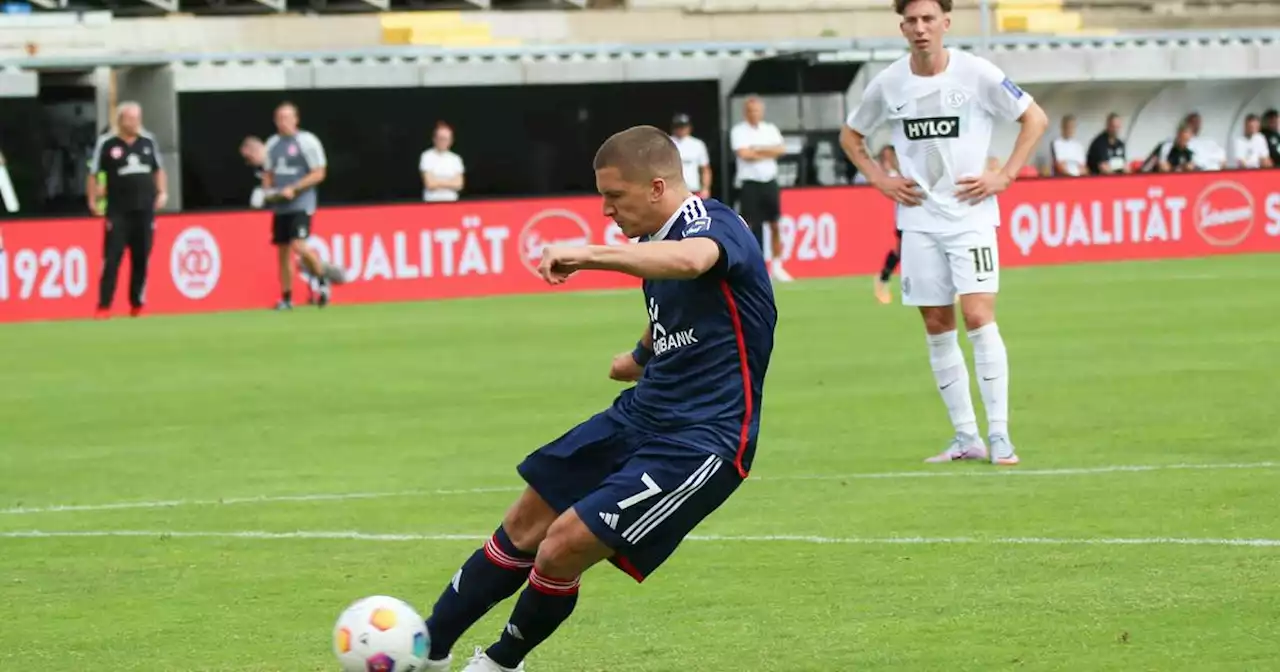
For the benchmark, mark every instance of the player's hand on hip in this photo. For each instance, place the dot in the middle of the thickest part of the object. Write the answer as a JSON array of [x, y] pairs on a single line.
[[902, 190], [977, 189], [625, 368], [558, 263]]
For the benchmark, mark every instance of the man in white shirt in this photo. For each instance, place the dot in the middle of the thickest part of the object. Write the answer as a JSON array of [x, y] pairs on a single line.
[[942, 105], [694, 159], [1251, 150], [1068, 153], [1207, 153], [758, 144], [442, 170]]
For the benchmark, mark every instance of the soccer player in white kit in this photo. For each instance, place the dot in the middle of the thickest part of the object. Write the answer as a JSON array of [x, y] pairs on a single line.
[[941, 104]]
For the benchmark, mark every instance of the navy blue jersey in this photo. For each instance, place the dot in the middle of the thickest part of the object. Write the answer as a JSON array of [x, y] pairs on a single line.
[[712, 338]]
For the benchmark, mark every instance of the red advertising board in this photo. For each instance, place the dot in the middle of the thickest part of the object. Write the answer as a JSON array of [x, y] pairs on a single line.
[[49, 269]]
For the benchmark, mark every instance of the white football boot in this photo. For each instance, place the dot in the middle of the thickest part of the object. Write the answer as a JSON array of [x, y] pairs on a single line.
[[445, 665], [482, 663]]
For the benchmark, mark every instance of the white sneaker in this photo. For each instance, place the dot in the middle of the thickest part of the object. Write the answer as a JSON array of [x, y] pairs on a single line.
[[778, 272], [482, 663], [1002, 450], [437, 665]]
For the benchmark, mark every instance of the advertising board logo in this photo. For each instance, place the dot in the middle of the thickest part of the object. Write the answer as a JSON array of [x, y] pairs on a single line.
[[550, 227], [1224, 214], [195, 263]]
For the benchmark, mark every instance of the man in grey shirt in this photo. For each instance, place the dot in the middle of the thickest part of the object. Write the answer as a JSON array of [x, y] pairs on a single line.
[[295, 167]]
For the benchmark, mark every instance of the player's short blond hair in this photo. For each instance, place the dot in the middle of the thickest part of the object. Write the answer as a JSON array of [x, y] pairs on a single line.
[[641, 153], [900, 6]]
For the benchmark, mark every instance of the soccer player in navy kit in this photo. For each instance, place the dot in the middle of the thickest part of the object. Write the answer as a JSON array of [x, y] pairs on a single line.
[[628, 484]]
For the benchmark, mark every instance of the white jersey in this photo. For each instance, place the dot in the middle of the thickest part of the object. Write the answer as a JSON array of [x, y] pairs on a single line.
[[942, 132]]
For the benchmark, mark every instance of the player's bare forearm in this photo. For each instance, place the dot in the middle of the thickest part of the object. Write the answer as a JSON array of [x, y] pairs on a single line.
[[661, 260], [748, 154], [855, 147], [706, 178], [93, 192], [162, 182], [1034, 123]]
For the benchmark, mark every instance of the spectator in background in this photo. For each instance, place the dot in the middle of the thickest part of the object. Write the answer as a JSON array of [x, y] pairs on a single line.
[[254, 153], [1067, 153], [442, 170], [1107, 151], [693, 156], [295, 166], [1180, 157], [132, 175], [1271, 130], [1251, 150], [758, 144], [1208, 154]]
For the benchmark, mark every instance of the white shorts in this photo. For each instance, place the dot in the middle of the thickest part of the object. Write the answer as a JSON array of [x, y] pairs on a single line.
[[938, 266]]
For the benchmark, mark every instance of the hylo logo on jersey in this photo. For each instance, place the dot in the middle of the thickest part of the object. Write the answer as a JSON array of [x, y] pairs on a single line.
[[931, 128], [662, 341], [697, 226], [1224, 214], [195, 263]]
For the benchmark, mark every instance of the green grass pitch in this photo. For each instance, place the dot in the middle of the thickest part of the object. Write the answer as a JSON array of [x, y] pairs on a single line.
[[1066, 562]]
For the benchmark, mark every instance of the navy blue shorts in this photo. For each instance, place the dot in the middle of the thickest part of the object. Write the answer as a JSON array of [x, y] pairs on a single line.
[[639, 493]]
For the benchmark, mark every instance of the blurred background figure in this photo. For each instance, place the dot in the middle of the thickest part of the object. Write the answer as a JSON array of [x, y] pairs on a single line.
[[758, 144], [693, 156], [296, 165], [1251, 150], [1067, 152], [126, 165], [442, 170], [254, 152], [1107, 153]]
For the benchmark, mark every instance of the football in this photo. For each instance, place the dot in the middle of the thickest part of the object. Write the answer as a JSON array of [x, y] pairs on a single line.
[[380, 634]]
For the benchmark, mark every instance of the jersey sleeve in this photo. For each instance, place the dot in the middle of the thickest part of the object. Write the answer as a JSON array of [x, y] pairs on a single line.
[[462, 167], [738, 138], [312, 150], [95, 162], [728, 234], [155, 150], [704, 157], [999, 95], [870, 113]]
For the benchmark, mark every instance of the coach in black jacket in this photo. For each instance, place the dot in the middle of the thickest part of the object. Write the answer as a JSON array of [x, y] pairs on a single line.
[[129, 160]]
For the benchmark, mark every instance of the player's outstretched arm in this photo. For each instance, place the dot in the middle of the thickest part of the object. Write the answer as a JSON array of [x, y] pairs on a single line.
[[662, 260]]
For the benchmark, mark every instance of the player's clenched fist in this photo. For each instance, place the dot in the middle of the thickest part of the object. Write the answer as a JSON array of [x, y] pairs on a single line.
[[902, 190], [625, 368], [558, 263]]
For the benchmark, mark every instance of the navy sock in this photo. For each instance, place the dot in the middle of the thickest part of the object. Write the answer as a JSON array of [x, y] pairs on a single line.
[[890, 263], [492, 574], [542, 607]]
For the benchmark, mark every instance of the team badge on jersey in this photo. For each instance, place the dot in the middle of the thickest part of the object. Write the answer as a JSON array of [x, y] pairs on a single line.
[[697, 226], [956, 99], [1012, 88]]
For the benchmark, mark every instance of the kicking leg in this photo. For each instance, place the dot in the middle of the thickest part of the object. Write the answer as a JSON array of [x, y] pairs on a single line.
[[492, 574], [569, 550]]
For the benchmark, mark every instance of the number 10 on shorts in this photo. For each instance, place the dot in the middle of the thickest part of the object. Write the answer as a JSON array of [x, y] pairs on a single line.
[[983, 262]]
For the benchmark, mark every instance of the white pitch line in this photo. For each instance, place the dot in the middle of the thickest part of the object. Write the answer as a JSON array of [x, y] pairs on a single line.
[[803, 539], [324, 497], [263, 499], [1012, 472]]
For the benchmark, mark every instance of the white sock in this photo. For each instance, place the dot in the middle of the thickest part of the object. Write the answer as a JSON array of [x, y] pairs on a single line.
[[949, 370], [991, 363]]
